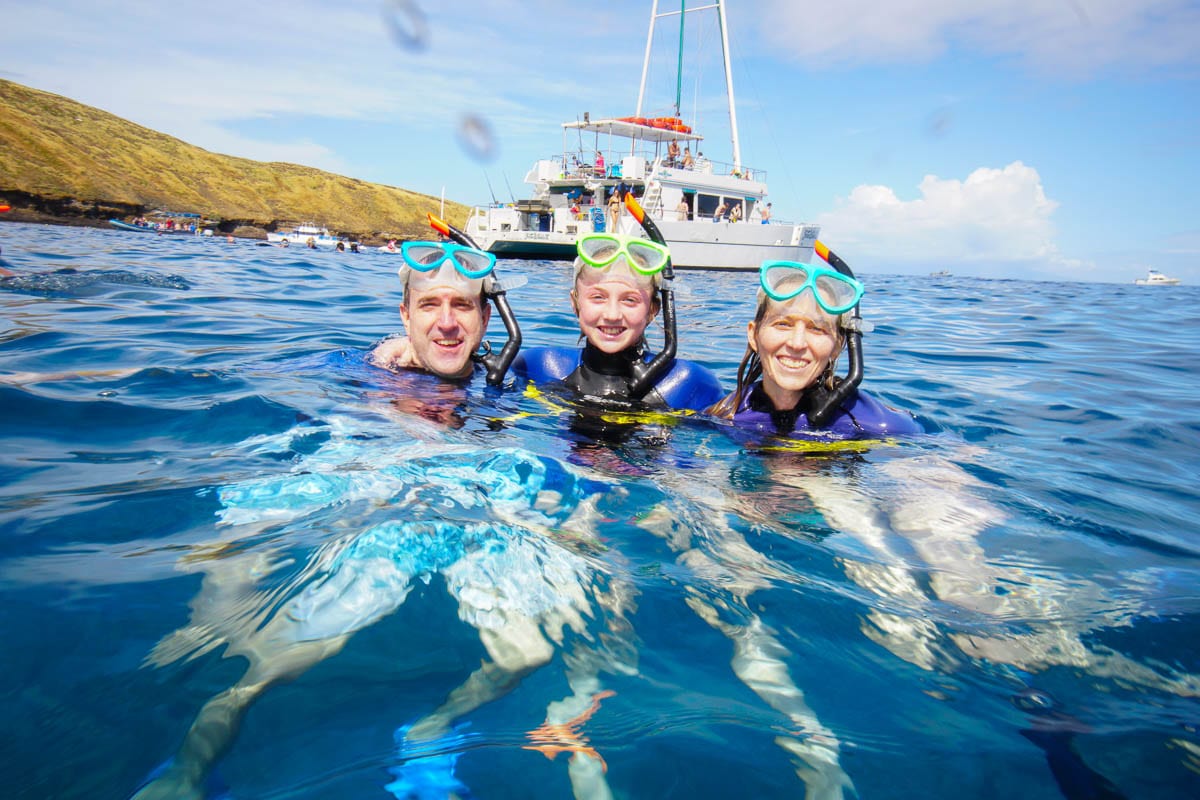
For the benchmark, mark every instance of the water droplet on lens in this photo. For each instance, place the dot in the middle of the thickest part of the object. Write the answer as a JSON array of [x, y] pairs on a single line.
[[475, 136], [406, 24]]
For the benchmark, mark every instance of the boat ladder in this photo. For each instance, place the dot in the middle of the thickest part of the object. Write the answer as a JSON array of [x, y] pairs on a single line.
[[652, 200]]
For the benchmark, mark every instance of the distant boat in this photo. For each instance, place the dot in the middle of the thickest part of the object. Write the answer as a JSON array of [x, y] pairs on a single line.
[[1156, 278], [941, 273], [146, 226], [301, 234]]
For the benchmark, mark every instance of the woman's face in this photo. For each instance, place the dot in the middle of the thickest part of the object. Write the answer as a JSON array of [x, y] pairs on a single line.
[[614, 307], [795, 341]]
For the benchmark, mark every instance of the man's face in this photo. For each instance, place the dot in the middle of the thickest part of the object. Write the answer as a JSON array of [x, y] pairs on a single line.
[[444, 328]]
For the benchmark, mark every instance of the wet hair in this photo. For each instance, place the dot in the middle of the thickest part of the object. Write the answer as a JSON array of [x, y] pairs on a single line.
[[750, 370]]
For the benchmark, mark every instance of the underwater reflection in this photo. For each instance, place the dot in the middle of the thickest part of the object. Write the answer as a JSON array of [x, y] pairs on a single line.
[[512, 535]]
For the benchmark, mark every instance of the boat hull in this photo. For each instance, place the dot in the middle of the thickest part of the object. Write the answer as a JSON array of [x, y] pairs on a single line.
[[302, 239], [126, 226]]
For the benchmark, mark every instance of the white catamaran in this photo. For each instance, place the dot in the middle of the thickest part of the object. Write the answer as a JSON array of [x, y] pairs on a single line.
[[710, 212]]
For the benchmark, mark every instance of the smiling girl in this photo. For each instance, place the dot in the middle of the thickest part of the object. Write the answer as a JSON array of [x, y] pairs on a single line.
[[615, 297]]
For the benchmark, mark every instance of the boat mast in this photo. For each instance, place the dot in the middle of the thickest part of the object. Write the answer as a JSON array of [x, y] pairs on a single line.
[[724, 25], [737, 151], [646, 62], [679, 60]]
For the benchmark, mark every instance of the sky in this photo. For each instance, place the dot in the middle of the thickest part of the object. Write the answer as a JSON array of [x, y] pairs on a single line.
[[1033, 139]]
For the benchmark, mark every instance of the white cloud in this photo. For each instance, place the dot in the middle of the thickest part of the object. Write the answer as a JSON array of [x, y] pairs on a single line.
[[1072, 36], [994, 217]]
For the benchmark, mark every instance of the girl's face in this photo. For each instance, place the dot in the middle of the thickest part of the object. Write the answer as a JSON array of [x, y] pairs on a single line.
[[613, 306], [795, 342]]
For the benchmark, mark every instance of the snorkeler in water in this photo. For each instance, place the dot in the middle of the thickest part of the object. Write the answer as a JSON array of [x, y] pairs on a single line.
[[445, 309], [621, 284], [787, 382]]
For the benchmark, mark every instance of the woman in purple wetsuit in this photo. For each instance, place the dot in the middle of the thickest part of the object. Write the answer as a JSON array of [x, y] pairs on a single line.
[[787, 382]]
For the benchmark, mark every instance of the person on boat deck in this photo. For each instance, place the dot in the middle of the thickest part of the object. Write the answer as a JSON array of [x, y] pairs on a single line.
[[599, 164], [444, 309], [614, 297], [688, 162], [735, 213], [672, 153], [793, 344], [719, 214], [682, 210], [614, 210], [765, 213]]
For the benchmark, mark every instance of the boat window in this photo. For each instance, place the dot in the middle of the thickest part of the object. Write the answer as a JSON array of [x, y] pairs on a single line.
[[706, 205]]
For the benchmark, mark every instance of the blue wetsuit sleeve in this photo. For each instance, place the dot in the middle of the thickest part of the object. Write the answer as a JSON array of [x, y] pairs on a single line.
[[689, 386], [542, 365]]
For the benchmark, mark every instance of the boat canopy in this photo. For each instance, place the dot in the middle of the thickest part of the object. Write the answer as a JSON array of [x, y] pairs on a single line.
[[633, 130]]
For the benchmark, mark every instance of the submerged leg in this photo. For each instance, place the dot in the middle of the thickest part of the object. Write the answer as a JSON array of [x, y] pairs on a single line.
[[216, 726], [758, 660]]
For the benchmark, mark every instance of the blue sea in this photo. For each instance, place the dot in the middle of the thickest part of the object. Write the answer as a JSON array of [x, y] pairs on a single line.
[[210, 506]]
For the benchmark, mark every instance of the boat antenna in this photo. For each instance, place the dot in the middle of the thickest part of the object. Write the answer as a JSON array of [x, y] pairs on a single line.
[[646, 375], [497, 364], [495, 202], [823, 403], [510, 191]]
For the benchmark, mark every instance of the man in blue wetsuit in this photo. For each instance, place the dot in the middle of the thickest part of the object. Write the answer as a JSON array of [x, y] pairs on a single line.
[[445, 313], [446, 309]]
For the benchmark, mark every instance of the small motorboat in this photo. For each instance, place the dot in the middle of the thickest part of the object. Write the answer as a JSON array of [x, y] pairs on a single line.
[[1156, 278], [309, 234]]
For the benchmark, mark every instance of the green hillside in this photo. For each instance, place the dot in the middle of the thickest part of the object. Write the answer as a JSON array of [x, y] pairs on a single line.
[[63, 161]]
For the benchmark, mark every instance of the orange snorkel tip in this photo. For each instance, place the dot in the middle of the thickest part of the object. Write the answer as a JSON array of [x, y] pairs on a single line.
[[438, 224], [634, 207], [822, 251]]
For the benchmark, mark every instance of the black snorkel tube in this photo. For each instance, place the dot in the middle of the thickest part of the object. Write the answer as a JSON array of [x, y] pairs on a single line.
[[822, 402], [647, 374], [497, 364]]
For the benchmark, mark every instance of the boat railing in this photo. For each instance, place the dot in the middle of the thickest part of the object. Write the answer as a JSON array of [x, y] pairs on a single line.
[[581, 164]]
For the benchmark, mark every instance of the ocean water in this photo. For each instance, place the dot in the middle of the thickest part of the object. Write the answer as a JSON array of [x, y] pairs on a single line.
[[202, 487]]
